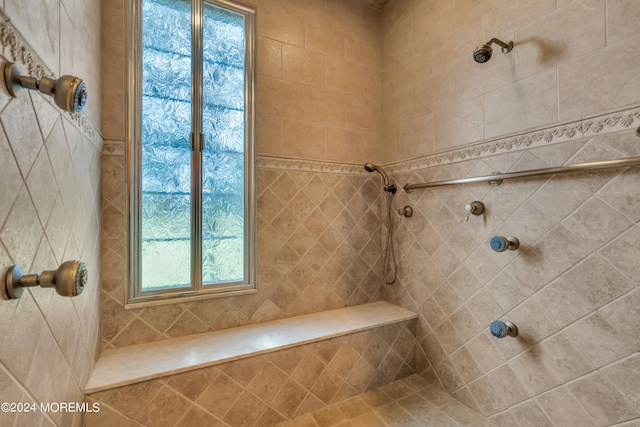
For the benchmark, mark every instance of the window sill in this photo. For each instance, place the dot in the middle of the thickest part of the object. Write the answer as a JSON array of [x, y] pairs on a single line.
[[150, 301]]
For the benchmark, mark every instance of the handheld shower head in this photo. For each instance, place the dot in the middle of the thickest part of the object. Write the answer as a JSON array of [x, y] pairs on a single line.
[[388, 250], [483, 52], [370, 167]]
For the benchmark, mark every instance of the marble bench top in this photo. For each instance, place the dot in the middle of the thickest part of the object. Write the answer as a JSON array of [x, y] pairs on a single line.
[[141, 362]]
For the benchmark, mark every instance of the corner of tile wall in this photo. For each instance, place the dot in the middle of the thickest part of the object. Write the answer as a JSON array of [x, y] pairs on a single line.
[[50, 169], [569, 287]]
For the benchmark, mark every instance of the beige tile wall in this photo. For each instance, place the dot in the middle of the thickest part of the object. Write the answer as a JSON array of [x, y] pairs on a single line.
[[317, 250], [267, 389], [65, 35], [571, 59], [317, 88], [49, 211], [318, 97], [318, 83], [49, 174], [572, 287]]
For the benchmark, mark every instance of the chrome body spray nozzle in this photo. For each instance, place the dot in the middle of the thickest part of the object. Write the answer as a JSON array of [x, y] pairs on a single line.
[[68, 280], [68, 92]]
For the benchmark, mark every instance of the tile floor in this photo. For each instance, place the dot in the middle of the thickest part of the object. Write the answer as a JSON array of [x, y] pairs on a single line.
[[409, 402]]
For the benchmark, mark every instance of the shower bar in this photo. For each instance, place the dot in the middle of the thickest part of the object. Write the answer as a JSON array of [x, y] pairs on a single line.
[[498, 177]]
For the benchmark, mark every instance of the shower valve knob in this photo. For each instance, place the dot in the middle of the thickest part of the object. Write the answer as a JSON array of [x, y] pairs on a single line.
[[406, 211], [501, 243], [500, 329], [474, 208]]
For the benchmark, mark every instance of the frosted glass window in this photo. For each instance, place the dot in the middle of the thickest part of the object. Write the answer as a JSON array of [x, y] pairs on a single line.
[[223, 158], [166, 153], [191, 127]]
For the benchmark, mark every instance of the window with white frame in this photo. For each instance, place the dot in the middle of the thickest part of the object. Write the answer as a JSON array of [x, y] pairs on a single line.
[[191, 150]]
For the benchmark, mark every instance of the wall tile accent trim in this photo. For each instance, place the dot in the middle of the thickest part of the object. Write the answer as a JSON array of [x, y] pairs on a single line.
[[598, 125], [271, 162], [114, 147], [603, 124], [14, 47]]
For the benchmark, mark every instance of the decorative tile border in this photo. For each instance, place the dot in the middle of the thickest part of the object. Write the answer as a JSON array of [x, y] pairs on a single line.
[[20, 52], [599, 125], [271, 162], [609, 123], [114, 147], [603, 124]]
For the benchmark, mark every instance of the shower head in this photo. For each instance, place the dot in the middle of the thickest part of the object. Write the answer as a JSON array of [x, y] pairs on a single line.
[[483, 52], [69, 279], [370, 167], [68, 92]]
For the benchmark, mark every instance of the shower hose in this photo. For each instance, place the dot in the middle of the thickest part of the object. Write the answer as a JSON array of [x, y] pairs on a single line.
[[388, 250]]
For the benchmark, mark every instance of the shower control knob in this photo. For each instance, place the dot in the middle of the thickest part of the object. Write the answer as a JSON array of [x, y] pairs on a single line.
[[500, 329], [501, 243], [406, 211], [474, 208]]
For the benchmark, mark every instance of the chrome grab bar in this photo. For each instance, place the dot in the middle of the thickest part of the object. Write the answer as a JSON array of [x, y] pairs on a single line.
[[499, 177]]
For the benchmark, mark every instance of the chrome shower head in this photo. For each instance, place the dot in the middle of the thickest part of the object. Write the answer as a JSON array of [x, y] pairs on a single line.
[[370, 167], [483, 52], [68, 92], [69, 279]]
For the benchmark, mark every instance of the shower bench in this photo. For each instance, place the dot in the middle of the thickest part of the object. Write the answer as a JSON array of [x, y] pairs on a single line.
[[136, 363], [286, 367]]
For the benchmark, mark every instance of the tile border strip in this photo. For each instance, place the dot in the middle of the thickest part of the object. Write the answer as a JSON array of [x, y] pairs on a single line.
[[606, 123], [271, 162], [602, 124], [20, 52]]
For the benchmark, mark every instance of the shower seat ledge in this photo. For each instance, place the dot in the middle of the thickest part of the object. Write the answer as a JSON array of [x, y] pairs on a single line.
[[129, 365]]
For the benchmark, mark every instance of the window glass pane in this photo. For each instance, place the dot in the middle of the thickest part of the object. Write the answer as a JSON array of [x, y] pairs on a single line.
[[223, 180], [165, 154]]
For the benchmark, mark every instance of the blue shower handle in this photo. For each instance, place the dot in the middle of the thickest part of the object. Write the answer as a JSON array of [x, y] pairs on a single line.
[[501, 243], [500, 329]]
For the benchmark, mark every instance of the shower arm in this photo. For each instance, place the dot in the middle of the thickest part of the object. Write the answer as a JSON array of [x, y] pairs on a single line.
[[506, 47]]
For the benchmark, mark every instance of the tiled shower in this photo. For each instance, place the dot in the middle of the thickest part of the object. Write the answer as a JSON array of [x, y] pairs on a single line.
[[340, 83]]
